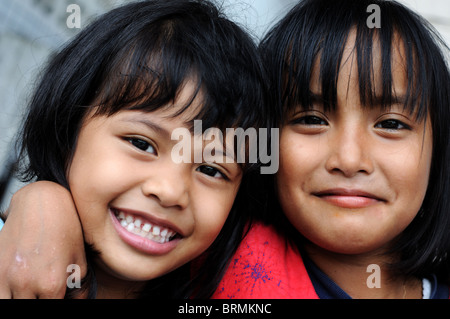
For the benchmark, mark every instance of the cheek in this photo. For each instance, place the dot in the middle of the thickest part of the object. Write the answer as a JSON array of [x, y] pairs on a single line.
[[96, 176], [409, 184], [299, 161], [210, 215], [290, 156], [87, 192], [97, 172], [408, 174], [291, 176]]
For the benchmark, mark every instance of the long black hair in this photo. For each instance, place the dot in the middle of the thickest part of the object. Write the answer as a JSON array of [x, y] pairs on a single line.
[[319, 28], [137, 57]]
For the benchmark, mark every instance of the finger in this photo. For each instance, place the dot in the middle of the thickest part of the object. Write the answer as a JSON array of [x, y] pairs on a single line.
[[5, 292], [40, 291], [53, 285], [52, 291], [23, 294], [20, 289]]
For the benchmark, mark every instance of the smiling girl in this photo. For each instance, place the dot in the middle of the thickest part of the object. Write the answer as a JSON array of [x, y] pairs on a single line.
[[100, 124], [364, 174]]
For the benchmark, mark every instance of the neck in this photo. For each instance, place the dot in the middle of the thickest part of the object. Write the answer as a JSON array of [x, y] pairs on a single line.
[[112, 287], [364, 276]]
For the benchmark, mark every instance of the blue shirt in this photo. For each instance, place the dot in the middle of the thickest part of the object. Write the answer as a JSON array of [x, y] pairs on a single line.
[[328, 289]]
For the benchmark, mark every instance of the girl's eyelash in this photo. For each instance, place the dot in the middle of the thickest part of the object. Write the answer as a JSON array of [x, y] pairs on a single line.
[[310, 120], [211, 171], [392, 124], [141, 144]]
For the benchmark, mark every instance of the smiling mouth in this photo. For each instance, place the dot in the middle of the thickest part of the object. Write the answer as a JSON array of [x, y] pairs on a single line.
[[348, 198], [143, 228]]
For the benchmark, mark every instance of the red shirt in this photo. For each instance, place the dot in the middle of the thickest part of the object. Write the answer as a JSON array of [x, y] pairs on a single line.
[[265, 267]]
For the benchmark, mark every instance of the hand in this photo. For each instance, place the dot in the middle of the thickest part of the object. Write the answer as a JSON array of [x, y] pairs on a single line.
[[40, 239]]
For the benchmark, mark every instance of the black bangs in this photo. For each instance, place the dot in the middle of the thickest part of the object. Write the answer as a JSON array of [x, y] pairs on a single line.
[[149, 73], [150, 70], [319, 37]]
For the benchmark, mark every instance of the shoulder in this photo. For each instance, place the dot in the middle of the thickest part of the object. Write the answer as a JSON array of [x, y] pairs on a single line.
[[262, 234], [433, 289], [265, 266]]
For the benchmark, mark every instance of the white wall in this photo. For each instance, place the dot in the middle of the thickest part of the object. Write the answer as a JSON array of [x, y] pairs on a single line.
[[437, 12]]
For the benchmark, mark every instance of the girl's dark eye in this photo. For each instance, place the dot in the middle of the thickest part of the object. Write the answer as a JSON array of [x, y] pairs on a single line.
[[310, 120], [142, 145], [392, 124], [210, 171]]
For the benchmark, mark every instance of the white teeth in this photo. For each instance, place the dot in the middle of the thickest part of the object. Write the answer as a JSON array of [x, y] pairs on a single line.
[[130, 227], [144, 229]]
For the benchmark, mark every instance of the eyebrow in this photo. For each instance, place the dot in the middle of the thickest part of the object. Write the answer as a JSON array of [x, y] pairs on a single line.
[[377, 99], [157, 128], [394, 99], [151, 125], [316, 97]]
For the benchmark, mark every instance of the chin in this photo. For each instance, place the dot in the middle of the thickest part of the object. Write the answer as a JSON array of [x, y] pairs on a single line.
[[354, 245]]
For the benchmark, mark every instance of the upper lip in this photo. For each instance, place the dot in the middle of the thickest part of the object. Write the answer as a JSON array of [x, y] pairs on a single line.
[[347, 192], [151, 219]]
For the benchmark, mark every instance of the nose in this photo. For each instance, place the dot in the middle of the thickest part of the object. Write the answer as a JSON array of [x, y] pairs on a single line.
[[169, 185], [349, 152]]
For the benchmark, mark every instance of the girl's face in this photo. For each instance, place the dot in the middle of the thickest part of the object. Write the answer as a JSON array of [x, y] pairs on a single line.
[[144, 213], [352, 179]]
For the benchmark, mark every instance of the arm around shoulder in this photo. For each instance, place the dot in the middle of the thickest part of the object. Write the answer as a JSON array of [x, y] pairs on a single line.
[[41, 237]]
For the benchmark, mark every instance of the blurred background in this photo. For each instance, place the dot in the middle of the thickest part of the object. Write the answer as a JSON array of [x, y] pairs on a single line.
[[30, 30]]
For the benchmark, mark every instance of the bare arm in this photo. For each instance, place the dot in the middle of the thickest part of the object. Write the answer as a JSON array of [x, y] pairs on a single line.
[[40, 238]]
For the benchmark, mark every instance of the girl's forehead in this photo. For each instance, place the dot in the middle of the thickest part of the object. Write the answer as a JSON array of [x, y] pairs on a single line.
[[188, 102], [360, 76], [349, 74]]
